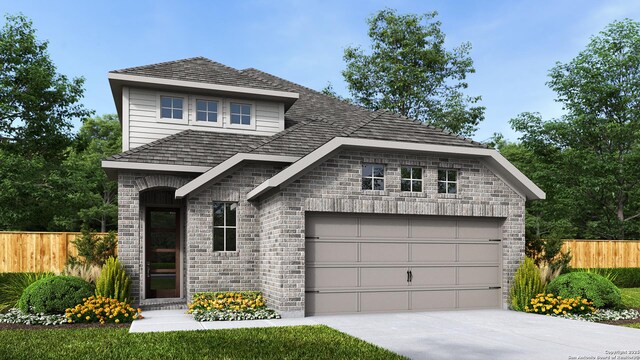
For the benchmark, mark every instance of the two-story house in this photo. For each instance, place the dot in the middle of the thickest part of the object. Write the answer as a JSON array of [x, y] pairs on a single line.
[[237, 179]]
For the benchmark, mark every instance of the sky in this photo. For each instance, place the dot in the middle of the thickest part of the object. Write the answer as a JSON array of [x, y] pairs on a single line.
[[514, 43]]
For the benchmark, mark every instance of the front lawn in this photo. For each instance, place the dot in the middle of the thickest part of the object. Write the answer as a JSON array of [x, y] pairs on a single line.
[[292, 342], [631, 297]]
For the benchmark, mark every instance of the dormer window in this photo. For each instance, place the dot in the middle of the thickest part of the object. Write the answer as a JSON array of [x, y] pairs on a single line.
[[171, 107], [207, 110], [240, 113]]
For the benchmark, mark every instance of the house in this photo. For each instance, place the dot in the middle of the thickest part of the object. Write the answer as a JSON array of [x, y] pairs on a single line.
[[237, 179]]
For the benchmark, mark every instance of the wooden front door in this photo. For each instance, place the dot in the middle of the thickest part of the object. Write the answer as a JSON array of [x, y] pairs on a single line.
[[162, 243]]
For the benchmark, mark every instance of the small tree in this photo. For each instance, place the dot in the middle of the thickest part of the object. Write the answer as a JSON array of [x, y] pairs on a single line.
[[93, 249]]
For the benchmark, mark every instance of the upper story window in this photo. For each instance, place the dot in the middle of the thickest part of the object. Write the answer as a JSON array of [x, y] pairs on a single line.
[[447, 181], [171, 107], [224, 226], [240, 113], [411, 179], [372, 177], [207, 110]]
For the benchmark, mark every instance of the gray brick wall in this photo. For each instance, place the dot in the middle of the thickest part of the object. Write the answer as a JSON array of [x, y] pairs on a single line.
[[271, 231]]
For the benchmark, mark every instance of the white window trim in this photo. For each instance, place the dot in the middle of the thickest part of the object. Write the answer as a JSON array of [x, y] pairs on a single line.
[[193, 119], [411, 179], [447, 181], [372, 177], [224, 227], [185, 109], [228, 124]]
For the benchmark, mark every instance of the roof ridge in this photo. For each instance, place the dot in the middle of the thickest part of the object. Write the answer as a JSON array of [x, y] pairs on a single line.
[[161, 63]]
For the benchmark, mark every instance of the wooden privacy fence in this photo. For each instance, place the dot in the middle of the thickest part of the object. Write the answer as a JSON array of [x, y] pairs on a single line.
[[603, 253], [36, 251]]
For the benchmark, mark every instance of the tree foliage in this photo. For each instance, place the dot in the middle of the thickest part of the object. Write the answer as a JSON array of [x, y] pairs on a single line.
[[37, 102], [409, 71], [588, 161]]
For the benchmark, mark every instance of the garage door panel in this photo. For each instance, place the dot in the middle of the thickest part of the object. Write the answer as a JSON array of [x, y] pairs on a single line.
[[331, 226], [318, 278], [331, 303], [431, 228], [383, 227], [332, 252], [433, 276], [487, 252], [478, 229], [384, 301], [433, 300], [359, 263], [383, 276], [482, 298], [384, 252], [474, 275], [433, 252]]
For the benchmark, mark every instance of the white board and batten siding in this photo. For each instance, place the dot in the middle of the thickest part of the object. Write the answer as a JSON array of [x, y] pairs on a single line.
[[142, 124]]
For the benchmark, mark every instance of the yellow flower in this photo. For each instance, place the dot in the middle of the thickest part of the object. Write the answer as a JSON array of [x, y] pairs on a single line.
[[117, 321]]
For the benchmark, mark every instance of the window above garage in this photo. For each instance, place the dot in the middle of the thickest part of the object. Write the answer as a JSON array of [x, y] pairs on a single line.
[[372, 177]]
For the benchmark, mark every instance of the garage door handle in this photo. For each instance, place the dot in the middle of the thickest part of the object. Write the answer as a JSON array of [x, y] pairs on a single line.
[[408, 276]]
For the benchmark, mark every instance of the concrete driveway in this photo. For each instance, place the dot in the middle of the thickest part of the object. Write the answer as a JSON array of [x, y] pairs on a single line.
[[462, 335], [487, 334]]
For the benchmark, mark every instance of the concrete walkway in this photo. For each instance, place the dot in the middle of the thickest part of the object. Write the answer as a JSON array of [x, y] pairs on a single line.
[[472, 334]]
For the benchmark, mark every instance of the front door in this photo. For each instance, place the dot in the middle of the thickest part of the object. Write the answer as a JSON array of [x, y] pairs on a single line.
[[162, 261]]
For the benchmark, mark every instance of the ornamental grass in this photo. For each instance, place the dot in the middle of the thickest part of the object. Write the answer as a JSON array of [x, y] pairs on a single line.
[[548, 304], [103, 310]]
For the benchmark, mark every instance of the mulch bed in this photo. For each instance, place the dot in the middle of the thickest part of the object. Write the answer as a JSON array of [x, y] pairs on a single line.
[[63, 326]]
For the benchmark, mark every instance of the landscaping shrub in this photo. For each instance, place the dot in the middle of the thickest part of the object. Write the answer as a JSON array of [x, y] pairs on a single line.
[[16, 316], [113, 281], [103, 310], [12, 286], [548, 304], [93, 249], [621, 277], [238, 305], [527, 283], [590, 286], [53, 295]]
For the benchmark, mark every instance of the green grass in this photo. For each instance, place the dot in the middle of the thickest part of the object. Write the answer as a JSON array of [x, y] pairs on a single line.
[[634, 325], [293, 342], [631, 297]]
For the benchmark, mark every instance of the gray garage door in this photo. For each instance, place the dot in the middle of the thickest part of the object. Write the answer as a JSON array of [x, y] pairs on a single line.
[[370, 263]]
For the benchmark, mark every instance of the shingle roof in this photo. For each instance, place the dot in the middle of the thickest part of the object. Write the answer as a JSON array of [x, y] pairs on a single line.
[[194, 148], [311, 121], [198, 69]]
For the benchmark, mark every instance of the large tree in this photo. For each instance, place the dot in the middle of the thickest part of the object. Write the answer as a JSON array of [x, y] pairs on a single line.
[[91, 198], [595, 147], [409, 70], [37, 104]]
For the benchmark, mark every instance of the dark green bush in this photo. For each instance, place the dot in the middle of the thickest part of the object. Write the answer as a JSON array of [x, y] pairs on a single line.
[[53, 295], [602, 292], [621, 277]]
